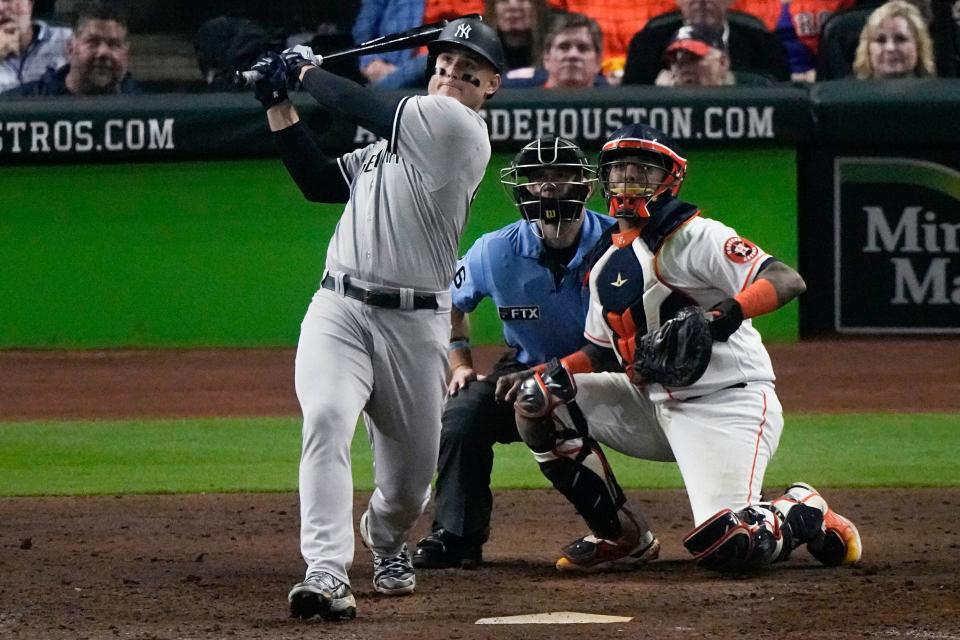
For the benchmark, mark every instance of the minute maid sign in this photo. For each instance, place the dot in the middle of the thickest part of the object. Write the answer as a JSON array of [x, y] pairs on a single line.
[[897, 241]]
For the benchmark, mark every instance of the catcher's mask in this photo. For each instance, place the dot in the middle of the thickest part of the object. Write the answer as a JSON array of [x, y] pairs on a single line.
[[637, 165], [549, 181]]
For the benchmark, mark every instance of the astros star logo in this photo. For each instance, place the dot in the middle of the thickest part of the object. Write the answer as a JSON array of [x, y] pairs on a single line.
[[619, 282], [740, 250]]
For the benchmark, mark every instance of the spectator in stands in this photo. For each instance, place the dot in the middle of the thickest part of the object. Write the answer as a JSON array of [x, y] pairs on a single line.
[[618, 20], [697, 57], [798, 24], [749, 45], [97, 58], [521, 25], [378, 18], [841, 36], [402, 69], [27, 46], [225, 45], [895, 43], [571, 57]]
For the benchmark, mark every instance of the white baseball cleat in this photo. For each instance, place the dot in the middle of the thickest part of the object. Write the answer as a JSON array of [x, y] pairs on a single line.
[[392, 575], [322, 595]]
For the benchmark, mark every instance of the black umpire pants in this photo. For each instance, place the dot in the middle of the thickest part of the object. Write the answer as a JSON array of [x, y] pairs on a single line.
[[473, 421]]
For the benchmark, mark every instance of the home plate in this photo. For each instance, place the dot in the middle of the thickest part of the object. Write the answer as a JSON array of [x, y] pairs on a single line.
[[555, 617]]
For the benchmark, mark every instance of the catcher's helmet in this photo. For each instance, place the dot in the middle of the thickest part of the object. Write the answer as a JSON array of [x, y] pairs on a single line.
[[549, 181], [470, 33], [624, 165]]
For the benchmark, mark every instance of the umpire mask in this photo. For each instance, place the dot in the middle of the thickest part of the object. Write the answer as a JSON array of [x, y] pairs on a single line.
[[549, 180]]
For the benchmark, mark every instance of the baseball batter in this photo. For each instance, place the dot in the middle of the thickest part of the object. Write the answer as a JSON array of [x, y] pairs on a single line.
[[534, 270], [374, 338], [723, 428]]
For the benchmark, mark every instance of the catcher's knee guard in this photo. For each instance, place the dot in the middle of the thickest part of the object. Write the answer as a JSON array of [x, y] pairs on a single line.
[[544, 391], [755, 536], [578, 469]]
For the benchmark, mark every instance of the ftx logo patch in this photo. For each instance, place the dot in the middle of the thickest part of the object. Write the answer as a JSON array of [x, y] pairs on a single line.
[[519, 313]]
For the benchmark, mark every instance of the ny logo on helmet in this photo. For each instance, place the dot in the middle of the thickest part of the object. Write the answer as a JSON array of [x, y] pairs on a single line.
[[463, 31]]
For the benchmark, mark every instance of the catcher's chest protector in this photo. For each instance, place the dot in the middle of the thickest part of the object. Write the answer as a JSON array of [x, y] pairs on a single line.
[[634, 300]]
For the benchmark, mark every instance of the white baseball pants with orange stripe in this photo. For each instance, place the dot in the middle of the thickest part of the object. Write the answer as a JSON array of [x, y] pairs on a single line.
[[722, 442]]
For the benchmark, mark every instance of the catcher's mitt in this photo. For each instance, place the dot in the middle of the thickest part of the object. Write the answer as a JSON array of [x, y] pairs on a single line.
[[678, 352]]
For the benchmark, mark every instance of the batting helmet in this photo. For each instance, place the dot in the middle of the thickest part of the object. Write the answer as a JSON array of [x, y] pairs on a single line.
[[549, 180], [472, 34], [637, 165]]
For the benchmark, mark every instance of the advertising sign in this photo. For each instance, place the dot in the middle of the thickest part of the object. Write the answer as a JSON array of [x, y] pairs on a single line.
[[897, 246]]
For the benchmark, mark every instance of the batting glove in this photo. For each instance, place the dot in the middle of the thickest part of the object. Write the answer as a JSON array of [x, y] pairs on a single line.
[[299, 57], [271, 88]]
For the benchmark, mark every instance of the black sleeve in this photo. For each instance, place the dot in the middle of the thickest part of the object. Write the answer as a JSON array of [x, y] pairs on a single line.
[[371, 110], [319, 177], [602, 358], [767, 54], [604, 242], [645, 55], [766, 263]]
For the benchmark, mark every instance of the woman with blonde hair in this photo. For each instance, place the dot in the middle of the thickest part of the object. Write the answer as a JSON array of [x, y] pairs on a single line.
[[895, 43]]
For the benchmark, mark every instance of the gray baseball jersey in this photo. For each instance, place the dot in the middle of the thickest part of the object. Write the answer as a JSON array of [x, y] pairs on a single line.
[[410, 195]]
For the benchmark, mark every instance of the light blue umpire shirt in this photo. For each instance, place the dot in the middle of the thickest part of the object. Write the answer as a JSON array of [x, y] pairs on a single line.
[[540, 319]]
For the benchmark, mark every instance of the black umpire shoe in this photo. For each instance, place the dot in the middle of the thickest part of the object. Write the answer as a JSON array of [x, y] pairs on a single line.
[[444, 550]]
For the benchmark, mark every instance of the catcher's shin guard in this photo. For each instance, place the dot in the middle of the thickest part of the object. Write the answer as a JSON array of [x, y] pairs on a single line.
[[758, 535], [835, 539], [578, 469]]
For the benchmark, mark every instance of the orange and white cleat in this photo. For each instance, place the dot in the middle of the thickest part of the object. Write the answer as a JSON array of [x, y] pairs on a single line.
[[591, 554], [839, 541]]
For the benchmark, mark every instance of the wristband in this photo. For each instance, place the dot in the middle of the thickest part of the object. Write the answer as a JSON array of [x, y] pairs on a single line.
[[758, 299], [458, 355], [577, 362], [458, 344]]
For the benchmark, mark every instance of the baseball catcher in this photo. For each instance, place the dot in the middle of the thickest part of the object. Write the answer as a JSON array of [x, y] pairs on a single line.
[[662, 379]]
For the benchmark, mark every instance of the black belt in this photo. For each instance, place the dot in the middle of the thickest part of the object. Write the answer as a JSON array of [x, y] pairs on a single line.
[[379, 297], [739, 385]]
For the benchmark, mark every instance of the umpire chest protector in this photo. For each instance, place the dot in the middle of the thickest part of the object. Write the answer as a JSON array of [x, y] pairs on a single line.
[[633, 298]]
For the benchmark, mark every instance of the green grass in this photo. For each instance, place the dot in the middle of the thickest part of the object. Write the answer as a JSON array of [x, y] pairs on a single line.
[[261, 454]]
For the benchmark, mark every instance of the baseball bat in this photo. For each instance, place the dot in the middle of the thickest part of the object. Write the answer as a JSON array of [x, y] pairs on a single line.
[[408, 39]]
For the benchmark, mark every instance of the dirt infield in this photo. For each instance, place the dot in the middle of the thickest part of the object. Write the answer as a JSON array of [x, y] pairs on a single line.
[[825, 375], [219, 566]]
